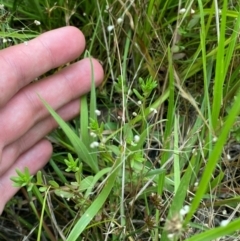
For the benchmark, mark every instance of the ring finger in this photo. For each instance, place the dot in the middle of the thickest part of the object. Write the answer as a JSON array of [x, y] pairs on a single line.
[[35, 134]]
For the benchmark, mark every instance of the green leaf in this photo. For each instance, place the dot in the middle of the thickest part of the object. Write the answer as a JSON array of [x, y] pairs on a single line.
[[42, 189], [137, 94], [63, 194], [95, 206], [86, 183], [80, 148], [215, 233], [39, 178], [214, 157], [180, 196], [53, 183], [30, 187]]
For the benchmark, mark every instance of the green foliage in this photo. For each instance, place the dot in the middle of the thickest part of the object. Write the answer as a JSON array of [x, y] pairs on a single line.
[[147, 86], [72, 165], [169, 110], [23, 179]]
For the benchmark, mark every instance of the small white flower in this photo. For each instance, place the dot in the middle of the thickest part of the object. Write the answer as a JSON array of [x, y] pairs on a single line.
[[93, 134], [229, 157], [98, 112], [136, 45], [136, 138], [214, 139], [94, 144], [112, 224], [4, 40], [170, 235], [2, 6], [119, 20], [25, 42], [182, 11], [184, 210], [192, 11], [196, 184], [153, 110], [36, 22], [134, 114], [139, 102], [224, 223], [224, 212], [104, 140], [110, 28], [84, 14]]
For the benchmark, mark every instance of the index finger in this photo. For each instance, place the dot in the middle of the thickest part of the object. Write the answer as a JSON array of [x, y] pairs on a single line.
[[21, 64]]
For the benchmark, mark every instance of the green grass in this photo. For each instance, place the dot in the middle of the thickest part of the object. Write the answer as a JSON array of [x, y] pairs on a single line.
[[168, 132]]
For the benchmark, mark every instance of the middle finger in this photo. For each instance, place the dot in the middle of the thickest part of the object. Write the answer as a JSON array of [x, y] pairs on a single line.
[[26, 109], [12, 151]]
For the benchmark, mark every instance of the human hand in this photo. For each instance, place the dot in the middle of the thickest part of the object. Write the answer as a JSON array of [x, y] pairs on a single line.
[[24, 121]]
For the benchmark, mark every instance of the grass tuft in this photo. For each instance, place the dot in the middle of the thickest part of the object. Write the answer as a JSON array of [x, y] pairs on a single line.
[[154, 154]]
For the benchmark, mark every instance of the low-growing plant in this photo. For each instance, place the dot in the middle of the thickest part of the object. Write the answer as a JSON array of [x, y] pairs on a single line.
[[154, 153]]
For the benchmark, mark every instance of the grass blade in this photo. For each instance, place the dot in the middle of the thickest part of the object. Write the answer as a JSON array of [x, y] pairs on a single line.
[[95, 207], [79, 147], [215, 233], [214, 157]]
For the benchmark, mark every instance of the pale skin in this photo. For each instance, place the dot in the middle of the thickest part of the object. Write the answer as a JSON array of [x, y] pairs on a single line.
[[24, 121]]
